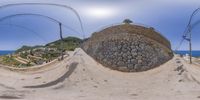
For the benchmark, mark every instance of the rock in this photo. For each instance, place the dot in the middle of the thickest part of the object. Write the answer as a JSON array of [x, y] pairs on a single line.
[[130, 66], [140, 61], [134, 54], [129, 57], [120, 63], [126, 49]]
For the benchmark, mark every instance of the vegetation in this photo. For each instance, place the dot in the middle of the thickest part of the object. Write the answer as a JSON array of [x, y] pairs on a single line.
[[50, 55], [70, 43], [10, 61], [127, 21], [37, 55], [24, 55], [25, 48]]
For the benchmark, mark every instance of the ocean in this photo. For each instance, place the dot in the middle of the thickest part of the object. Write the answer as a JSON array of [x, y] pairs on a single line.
[[194, 53], [3, 52]]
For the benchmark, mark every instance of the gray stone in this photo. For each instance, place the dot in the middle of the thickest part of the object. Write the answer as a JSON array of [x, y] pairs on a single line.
[[126, 51], [140, 61]]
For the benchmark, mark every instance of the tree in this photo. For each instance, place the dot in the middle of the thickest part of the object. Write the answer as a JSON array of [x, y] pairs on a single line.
[[127, 21]]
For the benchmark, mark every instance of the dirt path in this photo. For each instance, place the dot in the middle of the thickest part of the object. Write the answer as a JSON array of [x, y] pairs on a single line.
[[81, 78], [21, 60]]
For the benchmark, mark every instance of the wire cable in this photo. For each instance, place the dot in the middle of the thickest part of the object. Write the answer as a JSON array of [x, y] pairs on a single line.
[[51, 4], [187, 29], [27, 29], [39, 15]]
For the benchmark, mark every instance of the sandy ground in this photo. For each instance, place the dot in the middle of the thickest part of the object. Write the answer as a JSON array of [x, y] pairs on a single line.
[[79, 77]]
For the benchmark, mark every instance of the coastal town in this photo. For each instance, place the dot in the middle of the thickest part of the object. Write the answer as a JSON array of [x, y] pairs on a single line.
[[28, 56], [37, 56]]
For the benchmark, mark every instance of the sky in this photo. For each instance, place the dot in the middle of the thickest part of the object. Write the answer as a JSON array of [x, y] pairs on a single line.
[[169, 17]]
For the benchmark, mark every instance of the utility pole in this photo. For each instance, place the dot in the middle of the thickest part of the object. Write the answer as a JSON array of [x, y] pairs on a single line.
[[190, 45], [189, 39], [62, 40], [189, 29]]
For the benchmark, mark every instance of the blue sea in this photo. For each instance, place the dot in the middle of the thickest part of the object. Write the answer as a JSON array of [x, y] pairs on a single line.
[[6, 52], [194, 53]]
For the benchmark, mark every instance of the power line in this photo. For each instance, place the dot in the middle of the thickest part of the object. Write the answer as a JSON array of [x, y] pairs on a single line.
[[187, 35], [51, 19], [188, 27], [39, 15], [25, 28], [179, 45], [50, 4]]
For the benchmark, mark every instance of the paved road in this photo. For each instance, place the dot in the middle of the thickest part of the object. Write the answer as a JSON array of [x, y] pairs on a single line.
[[81, 78]]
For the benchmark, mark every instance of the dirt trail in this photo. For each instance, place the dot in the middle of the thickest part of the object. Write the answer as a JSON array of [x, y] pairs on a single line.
[[81, 78], [21, 60]]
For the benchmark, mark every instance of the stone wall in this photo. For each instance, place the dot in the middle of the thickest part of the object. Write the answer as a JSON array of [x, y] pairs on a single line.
[[127, 51]]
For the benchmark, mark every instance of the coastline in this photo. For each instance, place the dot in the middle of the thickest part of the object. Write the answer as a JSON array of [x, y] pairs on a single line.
[[6, 52], [195, 53]]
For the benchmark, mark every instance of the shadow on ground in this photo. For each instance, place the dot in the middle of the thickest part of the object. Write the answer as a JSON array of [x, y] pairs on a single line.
[[10, 97], [72, 67]]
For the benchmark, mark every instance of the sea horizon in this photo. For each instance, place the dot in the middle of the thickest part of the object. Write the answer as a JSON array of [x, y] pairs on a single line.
[[195, 53], [6, 52]]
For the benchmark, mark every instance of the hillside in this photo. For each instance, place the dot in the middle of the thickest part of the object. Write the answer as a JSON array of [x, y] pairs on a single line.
[[70, 43], [25, 48], [28, 56]]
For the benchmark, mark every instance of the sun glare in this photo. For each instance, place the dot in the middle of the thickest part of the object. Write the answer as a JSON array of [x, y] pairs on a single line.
[[100, 12]]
